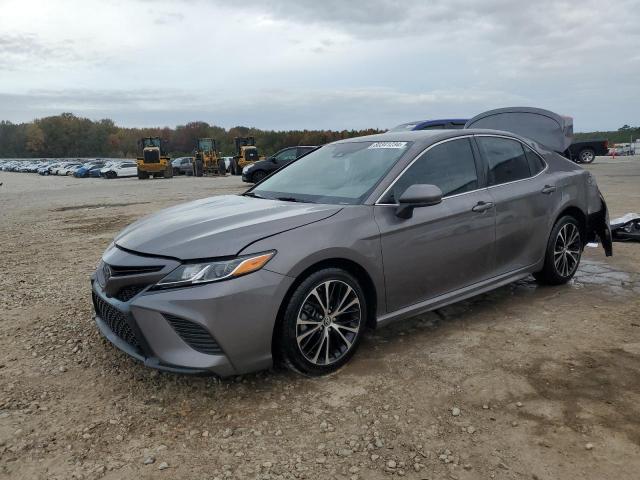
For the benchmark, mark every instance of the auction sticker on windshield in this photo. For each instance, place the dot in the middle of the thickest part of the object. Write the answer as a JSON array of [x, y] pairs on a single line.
[[388, 145]]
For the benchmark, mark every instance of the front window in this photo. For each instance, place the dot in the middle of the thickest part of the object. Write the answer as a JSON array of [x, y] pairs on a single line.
[[341, 173], [450, 166]]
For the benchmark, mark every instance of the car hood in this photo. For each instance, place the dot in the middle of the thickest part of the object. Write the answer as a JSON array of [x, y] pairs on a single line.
[[217, 226]]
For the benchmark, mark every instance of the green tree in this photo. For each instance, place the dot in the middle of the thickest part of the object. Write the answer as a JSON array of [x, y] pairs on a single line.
[[34, 143]]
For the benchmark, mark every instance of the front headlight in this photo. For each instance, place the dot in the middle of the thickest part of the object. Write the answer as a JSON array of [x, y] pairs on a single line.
[[207, 272], [247, 168]]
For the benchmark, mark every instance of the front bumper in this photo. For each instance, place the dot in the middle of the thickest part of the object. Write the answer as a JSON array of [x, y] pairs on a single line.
[[224, 328], [246, 177]]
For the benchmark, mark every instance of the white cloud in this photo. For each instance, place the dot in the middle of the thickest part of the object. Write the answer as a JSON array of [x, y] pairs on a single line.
[[288, 63]]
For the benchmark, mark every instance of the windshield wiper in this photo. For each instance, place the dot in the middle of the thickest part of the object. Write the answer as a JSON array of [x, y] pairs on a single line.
[[293, 199], [252, 194]]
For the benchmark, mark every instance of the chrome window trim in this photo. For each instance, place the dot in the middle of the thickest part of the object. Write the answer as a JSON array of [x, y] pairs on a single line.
[[546, 167]]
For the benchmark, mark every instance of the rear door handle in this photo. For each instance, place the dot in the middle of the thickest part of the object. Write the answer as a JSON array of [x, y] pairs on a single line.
[[549, 189], [482, 206]]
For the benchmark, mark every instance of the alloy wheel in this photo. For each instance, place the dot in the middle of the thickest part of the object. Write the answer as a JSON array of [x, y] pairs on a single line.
[[328, 322], [566, 251], [587, 156]]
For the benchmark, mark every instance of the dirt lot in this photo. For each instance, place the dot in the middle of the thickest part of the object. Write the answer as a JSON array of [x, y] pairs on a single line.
[[546, 380]]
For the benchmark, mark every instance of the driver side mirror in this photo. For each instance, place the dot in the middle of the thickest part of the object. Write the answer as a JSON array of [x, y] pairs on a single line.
[[416, 196]]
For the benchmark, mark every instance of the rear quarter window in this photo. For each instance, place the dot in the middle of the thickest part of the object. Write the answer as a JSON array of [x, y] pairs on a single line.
[[536, 164]]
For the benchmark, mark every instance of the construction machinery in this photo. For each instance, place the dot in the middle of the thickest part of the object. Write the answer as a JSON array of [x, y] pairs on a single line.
[[246, 154], [207, 159], [154, 160]]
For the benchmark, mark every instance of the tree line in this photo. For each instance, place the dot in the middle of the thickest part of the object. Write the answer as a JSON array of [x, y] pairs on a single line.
[[66, 136], [625, 134]]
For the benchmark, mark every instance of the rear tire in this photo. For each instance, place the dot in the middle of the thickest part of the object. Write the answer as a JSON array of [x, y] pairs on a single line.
[[316, 337], [586, 155], [235, 168], [142, 175], [564, 250]]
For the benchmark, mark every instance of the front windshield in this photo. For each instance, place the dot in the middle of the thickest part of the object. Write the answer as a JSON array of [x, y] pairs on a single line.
[[205, 144], [340, 173]]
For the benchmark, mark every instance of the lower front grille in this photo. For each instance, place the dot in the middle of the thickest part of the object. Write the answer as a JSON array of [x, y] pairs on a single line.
[[116, 321], [194, 335], [127, 293], [151, 156]]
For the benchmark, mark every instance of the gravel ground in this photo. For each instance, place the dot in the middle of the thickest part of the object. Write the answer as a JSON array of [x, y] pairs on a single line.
[[525, 382]]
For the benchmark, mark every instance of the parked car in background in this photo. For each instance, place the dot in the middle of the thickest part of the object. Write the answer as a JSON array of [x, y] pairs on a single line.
[[358, 233], [60, 168], [585, 151], [182, 166], [622, 149], [70, 171], [441, 124], [255, 172], [44, 169], [85, 170], [126, 168]]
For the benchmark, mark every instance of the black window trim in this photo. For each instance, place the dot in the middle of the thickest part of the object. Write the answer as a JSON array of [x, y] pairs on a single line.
[[486, 161], [479, 174]]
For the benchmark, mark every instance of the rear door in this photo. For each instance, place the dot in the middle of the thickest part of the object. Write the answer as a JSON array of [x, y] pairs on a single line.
[[524, 196], [444, 247]]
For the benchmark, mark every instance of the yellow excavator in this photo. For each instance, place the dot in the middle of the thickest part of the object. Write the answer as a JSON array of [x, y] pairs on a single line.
[[246, 154], [207, 159], [154, 160]]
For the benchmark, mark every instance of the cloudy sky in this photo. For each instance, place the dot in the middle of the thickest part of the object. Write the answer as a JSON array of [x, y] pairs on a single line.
[[283, 64]]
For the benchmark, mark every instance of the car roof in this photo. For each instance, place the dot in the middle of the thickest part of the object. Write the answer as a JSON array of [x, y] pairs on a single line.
[[424, 138]]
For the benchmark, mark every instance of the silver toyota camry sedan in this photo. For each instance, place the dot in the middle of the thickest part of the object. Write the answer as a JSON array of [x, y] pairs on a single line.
[[355, 235]]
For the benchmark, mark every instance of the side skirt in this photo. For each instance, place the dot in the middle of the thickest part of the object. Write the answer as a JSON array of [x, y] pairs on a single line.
[[455, 296]]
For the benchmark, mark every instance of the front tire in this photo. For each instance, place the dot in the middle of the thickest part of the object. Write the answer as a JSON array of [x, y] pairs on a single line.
[[111, 175], [564, 250], [323, 323]]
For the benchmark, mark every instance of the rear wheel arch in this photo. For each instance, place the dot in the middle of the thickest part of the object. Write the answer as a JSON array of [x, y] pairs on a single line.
[[576, 213]]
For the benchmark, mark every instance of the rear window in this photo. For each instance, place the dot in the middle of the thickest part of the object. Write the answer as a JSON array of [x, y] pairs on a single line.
[[506, 158]]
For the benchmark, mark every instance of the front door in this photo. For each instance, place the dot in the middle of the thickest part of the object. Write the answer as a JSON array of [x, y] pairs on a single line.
[[444, 247]]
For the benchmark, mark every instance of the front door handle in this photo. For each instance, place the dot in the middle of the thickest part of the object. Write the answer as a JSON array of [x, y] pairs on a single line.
[[482, 206], [548, 189]]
